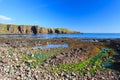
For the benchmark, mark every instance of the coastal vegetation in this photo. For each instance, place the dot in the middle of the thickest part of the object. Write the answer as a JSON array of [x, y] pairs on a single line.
[[89, 66], [38, 57], [80, 60]]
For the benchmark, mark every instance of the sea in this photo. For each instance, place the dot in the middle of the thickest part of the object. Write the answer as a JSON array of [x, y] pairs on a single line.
[[82, 35]]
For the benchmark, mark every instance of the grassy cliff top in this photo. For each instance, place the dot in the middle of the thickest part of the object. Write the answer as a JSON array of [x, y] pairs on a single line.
[[29, 29]]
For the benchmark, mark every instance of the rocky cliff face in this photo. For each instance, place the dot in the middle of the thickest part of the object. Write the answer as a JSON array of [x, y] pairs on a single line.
[[28, 29]]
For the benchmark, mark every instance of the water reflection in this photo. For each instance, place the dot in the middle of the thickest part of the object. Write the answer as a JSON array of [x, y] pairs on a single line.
[[90, 40], [52, 46]]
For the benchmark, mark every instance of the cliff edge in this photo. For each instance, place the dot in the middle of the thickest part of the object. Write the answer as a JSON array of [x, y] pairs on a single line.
[[32, 29]]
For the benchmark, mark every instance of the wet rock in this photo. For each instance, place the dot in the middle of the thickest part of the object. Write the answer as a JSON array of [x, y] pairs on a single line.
[[73, 74], [12, 68], [27, 63]]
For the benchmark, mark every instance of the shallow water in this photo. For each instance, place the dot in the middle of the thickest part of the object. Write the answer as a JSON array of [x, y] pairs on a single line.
[[52, 46], [84, 35]]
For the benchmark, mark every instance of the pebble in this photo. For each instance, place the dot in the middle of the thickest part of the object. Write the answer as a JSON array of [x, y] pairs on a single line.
[[4, 60], [73, 74], [11, 70]]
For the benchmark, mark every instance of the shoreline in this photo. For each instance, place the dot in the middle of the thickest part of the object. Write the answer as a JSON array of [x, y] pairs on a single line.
[[70, 36], [18, 59]]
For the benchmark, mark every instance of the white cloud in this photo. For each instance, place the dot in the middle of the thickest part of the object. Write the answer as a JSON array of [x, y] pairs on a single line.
[[5, 18]]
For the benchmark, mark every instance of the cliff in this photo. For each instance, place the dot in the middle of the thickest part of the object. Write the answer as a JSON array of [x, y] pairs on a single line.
[[29, 29]]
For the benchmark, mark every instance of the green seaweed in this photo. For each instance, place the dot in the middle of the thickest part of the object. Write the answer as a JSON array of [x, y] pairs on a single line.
[[39, 57], [93, 63]]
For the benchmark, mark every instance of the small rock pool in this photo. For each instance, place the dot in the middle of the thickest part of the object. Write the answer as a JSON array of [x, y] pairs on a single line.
[[52, 46]]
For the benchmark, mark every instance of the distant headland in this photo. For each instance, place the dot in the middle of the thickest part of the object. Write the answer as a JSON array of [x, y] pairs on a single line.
[[32, 29]]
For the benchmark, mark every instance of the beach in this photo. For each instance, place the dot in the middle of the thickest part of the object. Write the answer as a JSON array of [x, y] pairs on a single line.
[[82, 59], [59, 39]]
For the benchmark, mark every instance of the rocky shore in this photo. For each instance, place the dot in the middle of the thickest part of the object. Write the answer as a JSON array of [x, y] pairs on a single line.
[[18, 60]]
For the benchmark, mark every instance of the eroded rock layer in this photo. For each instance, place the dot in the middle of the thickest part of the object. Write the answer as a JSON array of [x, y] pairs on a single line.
[[31, 29]]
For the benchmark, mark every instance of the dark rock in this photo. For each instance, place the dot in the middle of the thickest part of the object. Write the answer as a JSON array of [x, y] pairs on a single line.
[[27, 63]]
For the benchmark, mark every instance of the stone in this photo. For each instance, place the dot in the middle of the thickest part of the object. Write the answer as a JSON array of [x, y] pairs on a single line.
[[103, 78], [73, 74], [5, 60]]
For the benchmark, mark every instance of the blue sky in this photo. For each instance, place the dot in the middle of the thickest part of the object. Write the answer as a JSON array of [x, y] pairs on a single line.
[[89, 16]]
